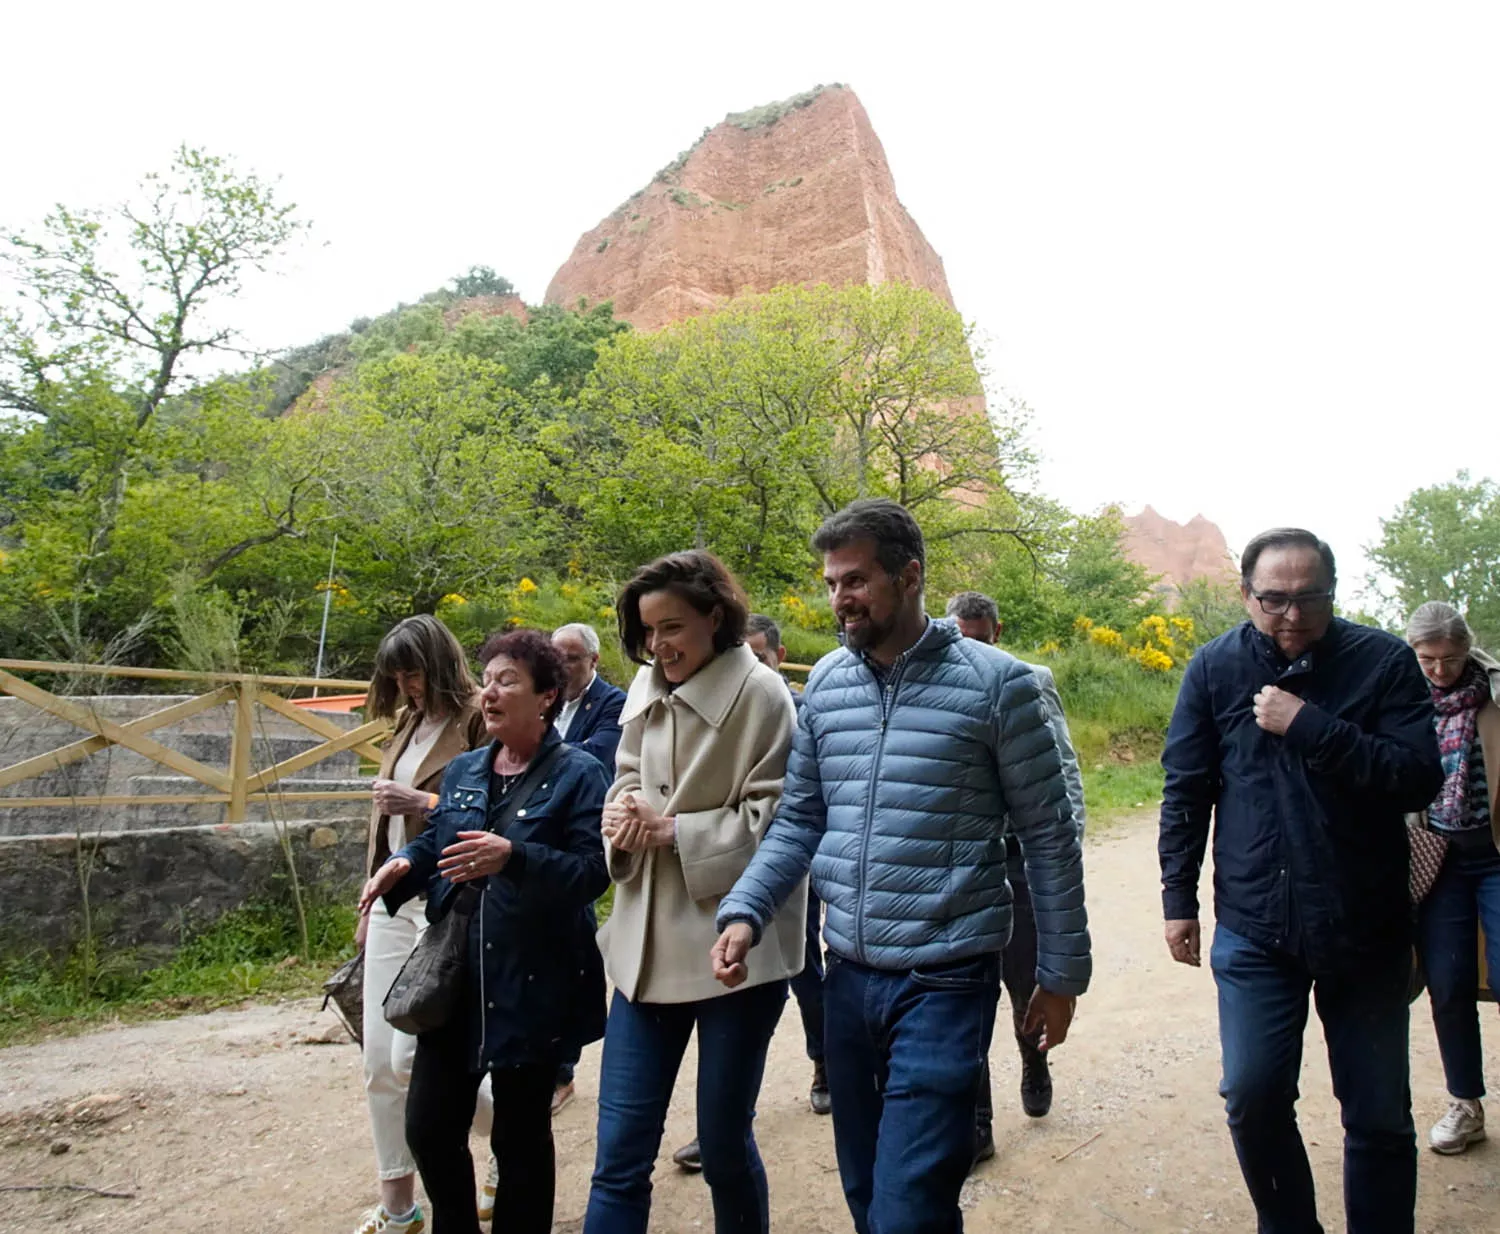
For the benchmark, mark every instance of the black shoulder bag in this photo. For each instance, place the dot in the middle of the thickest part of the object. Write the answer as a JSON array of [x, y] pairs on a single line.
[[428, 988]]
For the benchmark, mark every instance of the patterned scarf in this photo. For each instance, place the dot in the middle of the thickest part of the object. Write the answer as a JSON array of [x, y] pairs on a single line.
[[1457, 725]]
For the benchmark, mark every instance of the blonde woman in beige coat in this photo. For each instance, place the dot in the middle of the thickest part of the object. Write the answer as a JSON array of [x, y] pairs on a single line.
[[706, 731]]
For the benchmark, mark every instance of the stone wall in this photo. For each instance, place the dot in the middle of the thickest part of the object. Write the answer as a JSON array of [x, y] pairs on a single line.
[[150, 887]]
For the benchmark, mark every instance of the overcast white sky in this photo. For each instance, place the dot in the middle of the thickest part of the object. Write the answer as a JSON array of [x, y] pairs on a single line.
[[1242, 260]]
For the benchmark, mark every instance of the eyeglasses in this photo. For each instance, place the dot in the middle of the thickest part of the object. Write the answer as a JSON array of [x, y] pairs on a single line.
[[1275, 603], [1441, 661]]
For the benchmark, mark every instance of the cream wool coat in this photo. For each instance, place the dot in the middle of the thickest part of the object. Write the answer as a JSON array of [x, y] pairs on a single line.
[[713, 753]]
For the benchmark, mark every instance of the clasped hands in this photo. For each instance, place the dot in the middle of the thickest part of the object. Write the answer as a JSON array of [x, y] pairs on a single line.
[[632, 825]]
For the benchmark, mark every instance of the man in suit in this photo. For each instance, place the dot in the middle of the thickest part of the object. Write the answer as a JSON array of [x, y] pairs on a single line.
[[978, 617], [590, 715], [590, 720]]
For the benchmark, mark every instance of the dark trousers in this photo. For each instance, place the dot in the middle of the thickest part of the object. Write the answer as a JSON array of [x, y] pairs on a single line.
[[1465, 896], [807, 985], [1263, 998], [643, 1047], [905, 1050], [439, 1110], [1017, 970]]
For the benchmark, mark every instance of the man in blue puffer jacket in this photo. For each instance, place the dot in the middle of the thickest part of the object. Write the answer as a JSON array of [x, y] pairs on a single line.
[[914, 748]]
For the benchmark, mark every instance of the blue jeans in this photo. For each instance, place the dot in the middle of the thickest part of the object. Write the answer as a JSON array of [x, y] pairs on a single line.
[[905, 1054], [643, 1045], [1262, 1016], [807, 985], [1465, 895]]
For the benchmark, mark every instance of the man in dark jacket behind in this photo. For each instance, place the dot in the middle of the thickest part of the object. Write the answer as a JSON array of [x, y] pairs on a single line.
[[1308, 738]]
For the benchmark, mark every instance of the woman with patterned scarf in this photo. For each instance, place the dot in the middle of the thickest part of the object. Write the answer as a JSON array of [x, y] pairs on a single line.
[[1466, 895]]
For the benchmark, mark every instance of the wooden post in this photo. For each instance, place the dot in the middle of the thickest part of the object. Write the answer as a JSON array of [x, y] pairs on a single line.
[[239, 751]]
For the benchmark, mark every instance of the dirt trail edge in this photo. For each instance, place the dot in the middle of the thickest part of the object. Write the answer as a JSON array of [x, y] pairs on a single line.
[[248, 1119]]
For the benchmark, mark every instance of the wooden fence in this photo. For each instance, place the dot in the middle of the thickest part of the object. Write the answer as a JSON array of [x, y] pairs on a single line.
[[235, 787]]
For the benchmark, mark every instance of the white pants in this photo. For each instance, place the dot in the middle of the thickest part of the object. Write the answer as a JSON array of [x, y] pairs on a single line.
[[388, 1051]]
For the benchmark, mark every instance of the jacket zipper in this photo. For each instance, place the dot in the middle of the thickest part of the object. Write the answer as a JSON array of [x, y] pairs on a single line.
[[887, 702]]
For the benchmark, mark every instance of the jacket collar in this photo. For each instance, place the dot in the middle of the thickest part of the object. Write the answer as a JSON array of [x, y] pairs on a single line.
[[938, 635], [476, 771], [711, 691], [1324, 649], [452, 740]]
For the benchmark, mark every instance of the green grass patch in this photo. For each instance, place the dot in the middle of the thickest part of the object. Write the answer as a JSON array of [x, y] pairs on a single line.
[[1114, 789], [250, 952]]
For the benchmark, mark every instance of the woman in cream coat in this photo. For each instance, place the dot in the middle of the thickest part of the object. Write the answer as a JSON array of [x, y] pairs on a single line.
[[706, 730]]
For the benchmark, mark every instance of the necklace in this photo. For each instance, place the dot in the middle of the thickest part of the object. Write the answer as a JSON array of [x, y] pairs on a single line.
[[508, 779]]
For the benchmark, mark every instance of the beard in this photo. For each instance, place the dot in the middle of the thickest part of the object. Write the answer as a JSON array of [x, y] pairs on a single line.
[[865, 633]]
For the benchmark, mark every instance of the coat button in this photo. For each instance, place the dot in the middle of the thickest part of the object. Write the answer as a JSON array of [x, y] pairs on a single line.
[[529, 977], [520, 813], [666, 790], [491, 1006], [489, 946]]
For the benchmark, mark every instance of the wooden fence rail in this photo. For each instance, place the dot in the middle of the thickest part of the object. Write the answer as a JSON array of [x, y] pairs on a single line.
[[234, 788]]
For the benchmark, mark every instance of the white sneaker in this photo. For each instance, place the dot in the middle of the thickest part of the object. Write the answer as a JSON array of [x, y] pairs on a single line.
[[378, 1221], [1461, 1126], [487, 1192]]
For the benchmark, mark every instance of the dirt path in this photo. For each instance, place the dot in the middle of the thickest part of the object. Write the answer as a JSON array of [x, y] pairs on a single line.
[[236, 1121]]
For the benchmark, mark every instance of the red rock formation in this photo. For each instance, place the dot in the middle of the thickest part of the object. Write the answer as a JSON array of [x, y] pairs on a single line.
[[796, 192], [1176, 551], [485, 306]]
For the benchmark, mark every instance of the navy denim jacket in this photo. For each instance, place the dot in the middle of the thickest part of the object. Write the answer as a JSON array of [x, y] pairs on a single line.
[[537, 979], [1310, 851]]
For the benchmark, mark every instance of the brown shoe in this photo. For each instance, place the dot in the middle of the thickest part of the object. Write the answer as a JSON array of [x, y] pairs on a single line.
[[561, 1095]]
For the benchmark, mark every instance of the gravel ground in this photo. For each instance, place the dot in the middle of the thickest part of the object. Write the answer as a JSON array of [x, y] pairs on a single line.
[[254, 1119]]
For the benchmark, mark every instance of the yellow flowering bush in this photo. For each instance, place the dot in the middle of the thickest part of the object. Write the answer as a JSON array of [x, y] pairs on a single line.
[[1151, 659], [526, 587], [1103, 636], [1157, 643]]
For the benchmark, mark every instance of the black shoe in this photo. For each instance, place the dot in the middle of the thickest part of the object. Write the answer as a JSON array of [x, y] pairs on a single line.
[[687, 1158], [984, 1145], [1036, 1082], [818, 1098]]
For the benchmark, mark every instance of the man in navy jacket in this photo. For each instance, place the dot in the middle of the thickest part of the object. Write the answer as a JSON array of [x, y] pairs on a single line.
[[589, 720], [1307, 738], [590, 716]]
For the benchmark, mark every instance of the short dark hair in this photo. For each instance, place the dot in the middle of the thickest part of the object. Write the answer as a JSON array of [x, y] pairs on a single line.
[[889, 524], [759, 623], [698, 577], [973, 606], [421, 644], [542, 660], [1285, 537]]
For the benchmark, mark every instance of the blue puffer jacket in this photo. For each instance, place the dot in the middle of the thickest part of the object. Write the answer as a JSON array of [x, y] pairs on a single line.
[[898, 794]]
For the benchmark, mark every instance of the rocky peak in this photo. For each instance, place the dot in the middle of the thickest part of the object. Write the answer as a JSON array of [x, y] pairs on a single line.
[[793, 192], [1179, 552]]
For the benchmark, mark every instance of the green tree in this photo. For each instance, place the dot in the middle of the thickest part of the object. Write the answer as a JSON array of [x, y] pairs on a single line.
[[1443, 543], [122, 301], [739, 429], [481, 281]]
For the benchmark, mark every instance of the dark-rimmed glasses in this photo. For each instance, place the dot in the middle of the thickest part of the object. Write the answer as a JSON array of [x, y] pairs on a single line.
[[1275, 603]]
